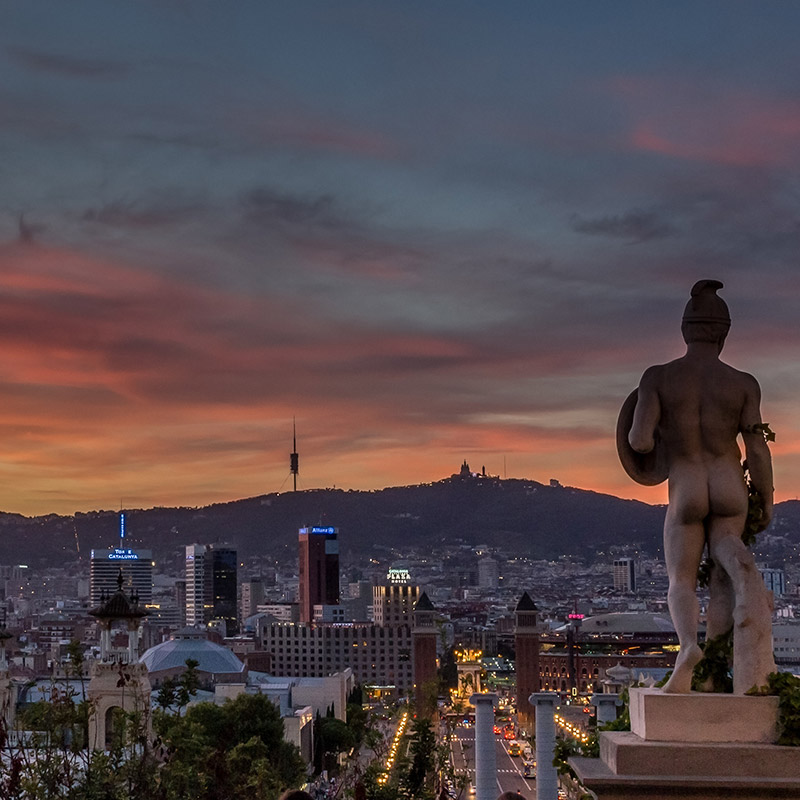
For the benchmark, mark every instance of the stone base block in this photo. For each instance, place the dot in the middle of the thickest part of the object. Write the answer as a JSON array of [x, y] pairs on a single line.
[[703, 718], [626, 754], [630, 767], [596, 776]]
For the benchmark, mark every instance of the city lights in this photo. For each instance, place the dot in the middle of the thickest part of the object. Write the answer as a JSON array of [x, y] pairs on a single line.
[[466, 655], [398, 736], [574, 731]]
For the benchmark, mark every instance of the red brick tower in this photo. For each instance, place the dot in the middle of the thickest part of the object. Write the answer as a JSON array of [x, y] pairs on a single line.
[[526, 642], [423, 637]]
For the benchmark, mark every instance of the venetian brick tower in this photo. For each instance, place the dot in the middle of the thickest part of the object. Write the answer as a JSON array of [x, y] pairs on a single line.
[[526, 643], [423, 639]]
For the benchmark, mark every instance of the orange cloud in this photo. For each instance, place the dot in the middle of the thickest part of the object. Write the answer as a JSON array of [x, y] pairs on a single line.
[[123, 385]]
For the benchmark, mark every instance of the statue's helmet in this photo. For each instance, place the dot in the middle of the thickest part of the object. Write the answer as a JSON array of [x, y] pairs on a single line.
[[705, 305]]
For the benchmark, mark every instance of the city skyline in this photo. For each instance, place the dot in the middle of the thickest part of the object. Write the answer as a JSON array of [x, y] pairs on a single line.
[[427, 233]]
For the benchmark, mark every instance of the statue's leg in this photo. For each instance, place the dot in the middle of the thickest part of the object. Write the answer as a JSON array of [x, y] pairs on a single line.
[[719, 616], [753, 657], [683, 550]]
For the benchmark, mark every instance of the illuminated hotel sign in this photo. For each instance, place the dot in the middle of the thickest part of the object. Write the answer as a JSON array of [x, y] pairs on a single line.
[[398, 576]]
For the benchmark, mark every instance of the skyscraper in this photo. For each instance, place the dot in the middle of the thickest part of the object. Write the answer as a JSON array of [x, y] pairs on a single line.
[[625, 574], [137, 573], [180, 600], [774, 580], [319, 569], [488, 573], [211, 585], [252, 597], [197, 595], [223, 585], [393, 602]]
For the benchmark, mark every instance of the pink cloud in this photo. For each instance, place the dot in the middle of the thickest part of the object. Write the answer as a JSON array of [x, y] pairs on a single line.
[[701, 122], [119, 381]]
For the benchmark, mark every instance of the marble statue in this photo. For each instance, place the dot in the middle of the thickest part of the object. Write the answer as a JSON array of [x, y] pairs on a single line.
[[683, 425]]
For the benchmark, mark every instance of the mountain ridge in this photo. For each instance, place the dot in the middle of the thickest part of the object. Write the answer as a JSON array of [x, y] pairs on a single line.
[[521, 516]]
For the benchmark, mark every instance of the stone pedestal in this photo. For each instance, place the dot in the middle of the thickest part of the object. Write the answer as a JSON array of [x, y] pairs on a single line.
[[694, 746], [702, 717]]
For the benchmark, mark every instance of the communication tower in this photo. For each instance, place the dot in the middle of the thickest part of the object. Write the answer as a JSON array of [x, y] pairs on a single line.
[[294, 459]]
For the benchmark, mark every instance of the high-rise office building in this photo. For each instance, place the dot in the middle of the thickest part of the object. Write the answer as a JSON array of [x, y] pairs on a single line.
[[488, 573], [252, 596], [359, 602], [625, 574], [774, 580], [179, 595], [137, 573], [211, 585], [319, 569], [223, 585], [393, 603], [198, 605]]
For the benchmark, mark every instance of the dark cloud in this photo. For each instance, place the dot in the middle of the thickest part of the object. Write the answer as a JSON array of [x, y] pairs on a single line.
[[266, 205], [193, 142], [322, 232], [70, 66], [123, 214], [28, 231], [635, 226]]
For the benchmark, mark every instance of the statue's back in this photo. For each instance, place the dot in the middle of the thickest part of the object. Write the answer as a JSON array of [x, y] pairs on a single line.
[[701, 403]]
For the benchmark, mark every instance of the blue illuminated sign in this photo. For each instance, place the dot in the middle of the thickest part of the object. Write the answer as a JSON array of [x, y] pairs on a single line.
[[323, 530], [123, 555], [121, 526]]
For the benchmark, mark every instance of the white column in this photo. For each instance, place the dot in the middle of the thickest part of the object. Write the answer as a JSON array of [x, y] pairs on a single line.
[[105, 639], [485, 754], [133, 643], [606, 704], [546, 773]]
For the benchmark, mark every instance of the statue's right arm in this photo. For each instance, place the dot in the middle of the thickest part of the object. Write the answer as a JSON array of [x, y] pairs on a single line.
[[759, 459], [646, 414]]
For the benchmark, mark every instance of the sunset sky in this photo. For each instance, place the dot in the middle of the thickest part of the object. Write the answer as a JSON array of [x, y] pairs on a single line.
[[430, 231]]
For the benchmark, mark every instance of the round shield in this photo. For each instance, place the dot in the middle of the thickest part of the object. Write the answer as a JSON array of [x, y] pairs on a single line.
[[648, 469]]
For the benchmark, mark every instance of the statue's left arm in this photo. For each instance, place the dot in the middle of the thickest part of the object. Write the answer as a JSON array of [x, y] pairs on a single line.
[[642, 436]]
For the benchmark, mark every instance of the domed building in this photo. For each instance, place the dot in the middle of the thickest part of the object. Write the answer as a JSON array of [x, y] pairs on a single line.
[[216, 664], [575, 657]]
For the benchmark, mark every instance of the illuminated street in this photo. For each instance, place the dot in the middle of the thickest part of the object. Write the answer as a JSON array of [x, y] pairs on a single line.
[[509, 769]]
